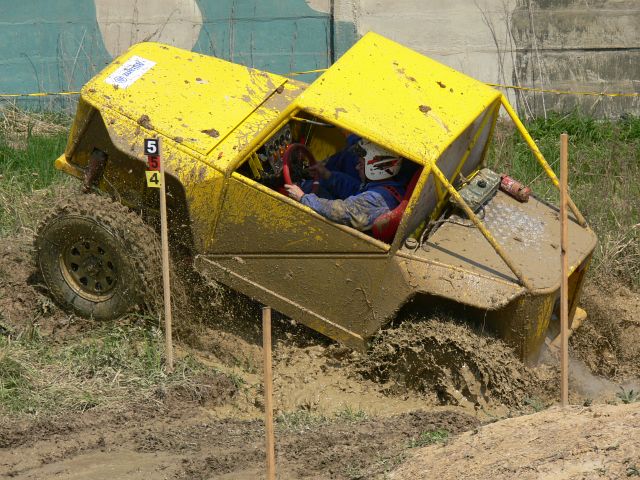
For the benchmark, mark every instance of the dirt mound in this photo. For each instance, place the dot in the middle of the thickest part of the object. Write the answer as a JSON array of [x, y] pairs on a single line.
[[608, 342], [449, 361], [23, 299], [578, 443]]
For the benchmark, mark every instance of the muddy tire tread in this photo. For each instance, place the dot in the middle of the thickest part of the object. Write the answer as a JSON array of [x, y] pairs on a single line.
[[141, 243]]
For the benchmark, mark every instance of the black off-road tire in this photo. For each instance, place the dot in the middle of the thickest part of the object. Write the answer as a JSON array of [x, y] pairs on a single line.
[[98, 258]]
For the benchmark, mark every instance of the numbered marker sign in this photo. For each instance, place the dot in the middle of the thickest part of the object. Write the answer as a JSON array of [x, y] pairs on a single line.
[[152, 147], [152, 150], [153, 178], [153, 163]]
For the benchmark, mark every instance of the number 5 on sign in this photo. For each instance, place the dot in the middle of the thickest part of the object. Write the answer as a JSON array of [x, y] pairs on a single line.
[[152, 146], [153, 179]]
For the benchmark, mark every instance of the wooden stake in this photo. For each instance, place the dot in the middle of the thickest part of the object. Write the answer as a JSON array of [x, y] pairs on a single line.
[[268, 393], [564, 285], [164, 236]]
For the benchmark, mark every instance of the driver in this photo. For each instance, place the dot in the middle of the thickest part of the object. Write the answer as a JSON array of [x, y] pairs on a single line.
[[357, 202]]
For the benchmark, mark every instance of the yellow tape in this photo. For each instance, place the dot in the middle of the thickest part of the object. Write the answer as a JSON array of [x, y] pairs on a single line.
[[293, 74], [40, 94], [564, 92]]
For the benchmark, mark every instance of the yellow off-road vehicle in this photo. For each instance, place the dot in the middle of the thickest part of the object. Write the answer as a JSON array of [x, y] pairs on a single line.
[[226, 134]]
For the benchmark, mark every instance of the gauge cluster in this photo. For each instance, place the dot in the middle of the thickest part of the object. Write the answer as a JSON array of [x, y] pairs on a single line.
[[273, 150]]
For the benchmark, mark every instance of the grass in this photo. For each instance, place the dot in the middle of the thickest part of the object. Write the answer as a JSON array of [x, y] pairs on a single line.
[[604, 165], [351, 415], [32, 168], [300, 420], [114, 361], [628, 396], [536, 404], [429, 438], [26, 175]]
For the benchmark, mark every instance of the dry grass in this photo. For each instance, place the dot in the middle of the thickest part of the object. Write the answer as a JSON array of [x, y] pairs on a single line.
[[17, 126], [107, 366]]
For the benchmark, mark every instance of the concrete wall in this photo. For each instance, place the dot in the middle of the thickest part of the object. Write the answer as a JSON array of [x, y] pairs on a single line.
[[563, 44], [589, 45]]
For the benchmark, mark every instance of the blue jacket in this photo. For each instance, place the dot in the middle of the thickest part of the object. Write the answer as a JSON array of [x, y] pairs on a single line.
[[355, 204], [344, 199], [345, 160]]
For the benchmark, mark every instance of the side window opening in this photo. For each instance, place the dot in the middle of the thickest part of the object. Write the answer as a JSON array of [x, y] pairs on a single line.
[[322, 160], [265, 165]]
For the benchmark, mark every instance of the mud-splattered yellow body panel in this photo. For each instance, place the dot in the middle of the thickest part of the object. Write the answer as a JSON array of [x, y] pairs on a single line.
[[394, 96], [193, 99]]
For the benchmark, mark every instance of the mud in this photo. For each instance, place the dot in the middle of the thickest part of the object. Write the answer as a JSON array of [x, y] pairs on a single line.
[[207, 390], [599, 442], [341, 414], [448, 362], [150, 440], [608, 342], [145, 122], [23, 299]]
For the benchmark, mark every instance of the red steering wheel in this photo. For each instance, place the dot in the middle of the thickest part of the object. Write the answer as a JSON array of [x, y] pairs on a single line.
[[293, 163]]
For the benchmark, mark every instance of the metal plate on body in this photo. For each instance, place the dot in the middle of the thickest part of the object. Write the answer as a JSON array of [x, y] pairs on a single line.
[[480, 189], [529, 233]]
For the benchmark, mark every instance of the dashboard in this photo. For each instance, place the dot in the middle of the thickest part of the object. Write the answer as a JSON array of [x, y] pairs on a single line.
[[272, 151], [265, 165]]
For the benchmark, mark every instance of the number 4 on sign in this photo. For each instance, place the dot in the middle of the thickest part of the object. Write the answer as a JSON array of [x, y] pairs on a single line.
[[153, 179]]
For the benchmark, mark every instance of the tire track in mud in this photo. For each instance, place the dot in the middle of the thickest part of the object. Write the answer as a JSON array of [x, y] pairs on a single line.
[[183, 441], [448, 361]]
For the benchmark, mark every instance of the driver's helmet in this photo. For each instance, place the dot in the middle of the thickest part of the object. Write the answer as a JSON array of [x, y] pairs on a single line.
[[379, 163]]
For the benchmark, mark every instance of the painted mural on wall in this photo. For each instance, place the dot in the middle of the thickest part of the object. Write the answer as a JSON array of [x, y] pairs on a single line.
[[59, 45]]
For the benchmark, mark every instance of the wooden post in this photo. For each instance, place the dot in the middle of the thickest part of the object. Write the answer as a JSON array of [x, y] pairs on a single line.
[[164, 236], [268, 393], [155, 169], [564, 285]]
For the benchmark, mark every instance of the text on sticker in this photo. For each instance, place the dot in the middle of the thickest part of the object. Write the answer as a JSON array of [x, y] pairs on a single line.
[[129, 72]]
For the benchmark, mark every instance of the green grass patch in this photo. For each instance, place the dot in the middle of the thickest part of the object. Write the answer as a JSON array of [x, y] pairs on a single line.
[[628, 396], [32, 167], [351, 415], [112, 363], [28, 178], [429, 438], [536, 404], [15, 383], [107, 353], [300, 420], [604, 167]]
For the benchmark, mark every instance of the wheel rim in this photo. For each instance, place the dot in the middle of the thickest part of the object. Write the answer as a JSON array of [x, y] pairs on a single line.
[[88, 267]]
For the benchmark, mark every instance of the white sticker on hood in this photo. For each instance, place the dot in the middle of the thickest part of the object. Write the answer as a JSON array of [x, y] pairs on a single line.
[[129, 72]]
